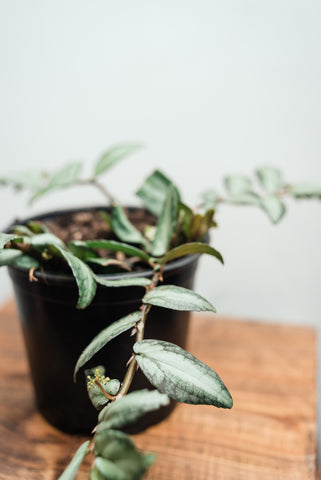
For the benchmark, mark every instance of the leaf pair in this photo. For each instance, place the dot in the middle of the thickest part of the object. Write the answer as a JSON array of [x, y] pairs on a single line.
[[241, 192], [117, 458], [167, 296], [41, 183]]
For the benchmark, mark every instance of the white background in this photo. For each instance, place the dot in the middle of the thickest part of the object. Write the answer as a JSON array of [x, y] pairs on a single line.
[[210, 88]]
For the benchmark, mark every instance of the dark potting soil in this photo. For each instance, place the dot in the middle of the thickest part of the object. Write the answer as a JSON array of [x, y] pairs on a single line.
[[90, 225]]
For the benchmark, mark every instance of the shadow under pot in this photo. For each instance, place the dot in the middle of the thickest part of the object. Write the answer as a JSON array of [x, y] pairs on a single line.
[[55, 334]]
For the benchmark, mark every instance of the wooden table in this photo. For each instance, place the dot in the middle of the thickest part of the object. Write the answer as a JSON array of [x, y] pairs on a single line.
[[269, 434]]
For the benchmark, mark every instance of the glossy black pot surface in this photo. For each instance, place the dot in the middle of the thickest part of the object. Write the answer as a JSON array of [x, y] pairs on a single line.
[[56, 333]]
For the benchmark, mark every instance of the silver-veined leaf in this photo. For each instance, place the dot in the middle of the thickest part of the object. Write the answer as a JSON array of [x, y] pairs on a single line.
[[130, 408], [64, 177], [306, 190], [110, 332], [177, 298], [113, 156], [6, 238], [123, 282], [166, 224], [180, 375], [11, 256], [154, 191], [189, 249], [83, 275], [8, 256], [237, 184], [114, 246], [81, 250], [43, 240], [274, 207], [72, 469], [270, 179], [31, 180], [124, 229]]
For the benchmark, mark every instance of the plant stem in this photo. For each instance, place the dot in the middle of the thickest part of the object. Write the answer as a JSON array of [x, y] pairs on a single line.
[[139, 336], [101, 187]]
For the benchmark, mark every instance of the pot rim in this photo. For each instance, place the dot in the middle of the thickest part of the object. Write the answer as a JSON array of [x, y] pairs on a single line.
[[69, 278]]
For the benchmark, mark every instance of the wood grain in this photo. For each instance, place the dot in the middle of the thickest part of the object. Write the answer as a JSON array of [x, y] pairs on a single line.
[[270, 434]]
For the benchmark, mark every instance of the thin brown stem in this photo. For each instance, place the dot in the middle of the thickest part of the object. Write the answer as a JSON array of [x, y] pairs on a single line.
[[101, 187], [129, 376]]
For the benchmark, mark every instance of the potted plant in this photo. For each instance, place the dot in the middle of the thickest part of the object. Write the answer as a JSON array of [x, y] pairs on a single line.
[[132, 274]]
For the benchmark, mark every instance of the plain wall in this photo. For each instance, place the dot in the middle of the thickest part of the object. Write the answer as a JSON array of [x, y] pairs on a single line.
[[210, 88]]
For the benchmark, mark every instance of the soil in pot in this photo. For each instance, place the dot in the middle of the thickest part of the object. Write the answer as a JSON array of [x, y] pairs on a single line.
[[56, 332]]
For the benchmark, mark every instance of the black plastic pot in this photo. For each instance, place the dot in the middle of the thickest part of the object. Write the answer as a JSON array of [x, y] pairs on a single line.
[[56, 332]]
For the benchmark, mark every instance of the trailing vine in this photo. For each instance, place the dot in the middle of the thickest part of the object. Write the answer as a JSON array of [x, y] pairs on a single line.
[[179, 231]]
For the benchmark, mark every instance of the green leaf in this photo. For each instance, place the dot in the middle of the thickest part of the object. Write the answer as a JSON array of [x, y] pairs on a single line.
[[8, 256], [64, 177], [118, 247], [166, 224], [180, 375], [95, 475], [113, 156], [274, 207], [110, 332], [118, 448], [154, 191], [83, 276], [112, 444], [31, 180], [209, 198], [123, 282], [306, 190], [22, 230], [244, 199], [237, 184], [130, 408], [82, 250], [72, 469], [124, 229], [6, 238], [43, 240], [109, 470], [17, 258], [270, 179], [177, 298], [189, 249], [38, 227]]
